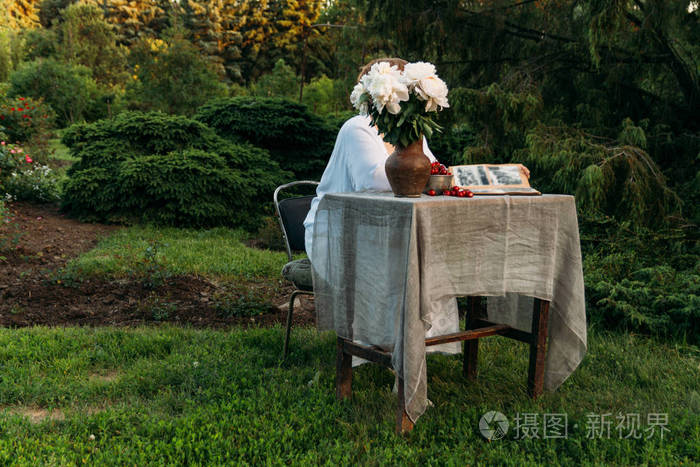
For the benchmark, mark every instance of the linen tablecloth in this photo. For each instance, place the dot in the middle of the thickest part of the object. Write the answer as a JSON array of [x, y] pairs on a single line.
[[386, 268]]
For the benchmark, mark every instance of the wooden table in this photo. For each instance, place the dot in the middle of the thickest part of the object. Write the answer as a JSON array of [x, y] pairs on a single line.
[[384, 267]]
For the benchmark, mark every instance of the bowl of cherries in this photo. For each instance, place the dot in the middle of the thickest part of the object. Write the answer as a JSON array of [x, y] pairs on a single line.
[[440, 178], [440, 183]]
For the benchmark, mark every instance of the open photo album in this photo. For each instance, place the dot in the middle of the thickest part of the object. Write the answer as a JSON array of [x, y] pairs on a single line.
[[493, 179]]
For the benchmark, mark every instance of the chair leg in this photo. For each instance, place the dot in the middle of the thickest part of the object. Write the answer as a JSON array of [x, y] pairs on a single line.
[[538, 346], [471, 347], [403, 422], [343, 372], [289, 324]]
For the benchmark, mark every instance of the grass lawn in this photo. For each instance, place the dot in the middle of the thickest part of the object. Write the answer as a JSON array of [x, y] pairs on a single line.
[[183, 396], [59, 151], [173, 395], [217, 253]]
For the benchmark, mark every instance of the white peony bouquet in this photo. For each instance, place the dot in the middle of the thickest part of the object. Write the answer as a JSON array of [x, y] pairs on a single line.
[[400, 103]]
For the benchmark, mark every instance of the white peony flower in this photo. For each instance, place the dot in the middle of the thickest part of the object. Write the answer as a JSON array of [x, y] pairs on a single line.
[[413, 73], [386, 87], [384, 68], [358, 99], [433, 90], [357, 91]]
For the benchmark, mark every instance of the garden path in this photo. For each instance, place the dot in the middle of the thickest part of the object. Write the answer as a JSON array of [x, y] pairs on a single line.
[[34, 289]]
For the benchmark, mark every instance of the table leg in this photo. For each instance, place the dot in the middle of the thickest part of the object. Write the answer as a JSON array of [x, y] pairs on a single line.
[[471, 347], [403, 422], [343, 372], [538, 346]]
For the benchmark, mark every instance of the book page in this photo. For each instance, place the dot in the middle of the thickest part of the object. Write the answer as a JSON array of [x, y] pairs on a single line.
[[493, 179]]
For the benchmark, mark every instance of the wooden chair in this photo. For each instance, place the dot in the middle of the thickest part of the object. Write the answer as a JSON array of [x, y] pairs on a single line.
[[291, 213], [476, 328]]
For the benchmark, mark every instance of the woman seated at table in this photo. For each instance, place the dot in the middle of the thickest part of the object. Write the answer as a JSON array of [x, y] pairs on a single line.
[[357, 160], [357, 165]]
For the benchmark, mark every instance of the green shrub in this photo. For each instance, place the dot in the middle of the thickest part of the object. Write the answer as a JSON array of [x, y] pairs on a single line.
[[25, 118], [23, 179], [39, 43], [655, 300], [68, 89], [297, 139], [280, 82], [35, 183], [12, 160], [641, 280], [324, 95], [169, 170]]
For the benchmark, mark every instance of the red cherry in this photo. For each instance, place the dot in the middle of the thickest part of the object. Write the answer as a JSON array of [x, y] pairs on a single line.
[[431, 192], [448, 173], [470, 194], [447, 193]]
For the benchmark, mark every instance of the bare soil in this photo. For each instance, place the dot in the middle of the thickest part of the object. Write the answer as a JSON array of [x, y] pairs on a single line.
[[39, 241]]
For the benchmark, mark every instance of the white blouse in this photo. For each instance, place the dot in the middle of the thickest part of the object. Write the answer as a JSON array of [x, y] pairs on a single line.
[[356, 164]]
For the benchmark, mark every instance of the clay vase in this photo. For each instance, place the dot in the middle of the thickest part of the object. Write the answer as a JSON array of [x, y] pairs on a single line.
[[408, 170]]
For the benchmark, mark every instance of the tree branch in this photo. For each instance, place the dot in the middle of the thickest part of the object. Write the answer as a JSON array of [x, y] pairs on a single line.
[[541, 34], [508, 7]]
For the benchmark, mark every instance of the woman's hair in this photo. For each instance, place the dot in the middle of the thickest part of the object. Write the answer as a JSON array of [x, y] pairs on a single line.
[[398, 62]]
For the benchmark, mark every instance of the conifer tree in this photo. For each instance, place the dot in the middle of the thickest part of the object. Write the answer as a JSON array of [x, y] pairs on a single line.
[[135, 19], [212, 27], [246, 37], [87, 39]]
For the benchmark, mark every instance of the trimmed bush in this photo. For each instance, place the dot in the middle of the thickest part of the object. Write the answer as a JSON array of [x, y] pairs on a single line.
[[169, 170], [297, 139]]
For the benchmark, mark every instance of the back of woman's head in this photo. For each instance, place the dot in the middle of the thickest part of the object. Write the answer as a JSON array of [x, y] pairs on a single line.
[[398, 62]]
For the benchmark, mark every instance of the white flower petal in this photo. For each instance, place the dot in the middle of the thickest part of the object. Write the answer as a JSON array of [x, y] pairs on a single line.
[[393, 107], [415, 72], [357, 91]]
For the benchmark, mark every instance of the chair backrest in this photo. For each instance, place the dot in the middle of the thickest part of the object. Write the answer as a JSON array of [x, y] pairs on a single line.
[[291, 213]]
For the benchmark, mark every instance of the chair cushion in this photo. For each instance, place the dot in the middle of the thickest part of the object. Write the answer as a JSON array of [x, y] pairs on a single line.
[[299, 272]]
